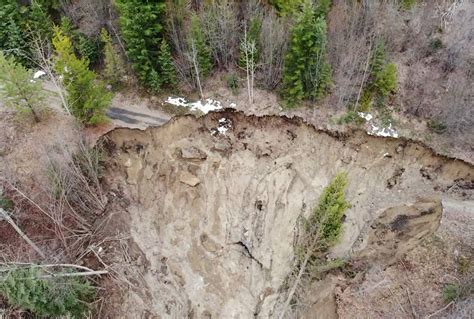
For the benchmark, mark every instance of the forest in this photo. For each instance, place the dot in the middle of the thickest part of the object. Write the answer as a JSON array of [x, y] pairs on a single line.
[[375, 98]]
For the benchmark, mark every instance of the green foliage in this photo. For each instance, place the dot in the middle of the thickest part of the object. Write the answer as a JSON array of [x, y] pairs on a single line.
[[285, 7], [330, 212], [451, 292], [253, 36], [12, 36], [378, 59], [385, 81], [365, 102], [142, 32], [55, 296], [196, 39], [322, 8], [435, 45], [87, 98], [407, 4], [18, 89], [6, 203], [114, 69], [167, 69], [86, 47], [307, 74], [437, 126], [382, 80], [232, 81], [350, 117], [39, 21]]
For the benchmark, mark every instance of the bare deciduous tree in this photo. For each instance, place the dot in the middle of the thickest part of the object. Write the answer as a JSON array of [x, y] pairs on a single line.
[[248, 47], [273, 44]]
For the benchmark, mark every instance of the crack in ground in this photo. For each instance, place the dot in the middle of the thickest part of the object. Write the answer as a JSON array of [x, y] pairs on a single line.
[[247, 252]]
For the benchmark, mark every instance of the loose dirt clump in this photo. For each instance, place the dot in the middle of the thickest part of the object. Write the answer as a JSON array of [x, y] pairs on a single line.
[[210, 214]]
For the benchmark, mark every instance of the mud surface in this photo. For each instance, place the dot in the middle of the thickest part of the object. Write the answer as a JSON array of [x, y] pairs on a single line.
[[210, 207]]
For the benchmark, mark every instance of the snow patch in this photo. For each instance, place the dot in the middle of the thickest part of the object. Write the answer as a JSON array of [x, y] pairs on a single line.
[[208, 106], [178, 101], [383, 131], [38, 74], [366, 116], [222, 127], [204, 106]]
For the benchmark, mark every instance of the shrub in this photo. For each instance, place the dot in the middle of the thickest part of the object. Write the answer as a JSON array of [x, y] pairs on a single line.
[[451, 292], [437, 126], [232, 81], [435, 45], [350, 117], [86, 96], [46, 295], [365, 102], [386, 80], [6, 203], [407, 4]]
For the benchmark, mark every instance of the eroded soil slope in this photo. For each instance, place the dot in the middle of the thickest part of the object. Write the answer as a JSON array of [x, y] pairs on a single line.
[[211, 206]]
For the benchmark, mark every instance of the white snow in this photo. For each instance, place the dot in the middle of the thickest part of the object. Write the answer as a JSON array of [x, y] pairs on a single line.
[[178, 101], [208, 106], [204, 106], [233, 104], [366, 116], [39, 74], [384, 131], [222, 127]]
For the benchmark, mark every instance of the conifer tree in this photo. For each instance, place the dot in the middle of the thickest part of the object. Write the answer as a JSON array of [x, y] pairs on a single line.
[[142, 33], [167, 69], [87, 98], [196, 37], [307, 74], [114, 69], [18, 89], [39, 21], [12, 35]]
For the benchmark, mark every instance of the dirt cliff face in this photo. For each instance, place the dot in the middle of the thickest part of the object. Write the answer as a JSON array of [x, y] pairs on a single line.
[[211, 206]]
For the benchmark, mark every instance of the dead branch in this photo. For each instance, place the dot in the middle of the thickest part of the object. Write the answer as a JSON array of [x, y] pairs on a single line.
[[8, 219]]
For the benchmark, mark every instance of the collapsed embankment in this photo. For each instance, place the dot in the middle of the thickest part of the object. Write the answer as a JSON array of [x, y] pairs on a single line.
[[211, 206]]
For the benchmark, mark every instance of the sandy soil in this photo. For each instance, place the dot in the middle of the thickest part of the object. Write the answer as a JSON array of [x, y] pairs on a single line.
[[211, 205]]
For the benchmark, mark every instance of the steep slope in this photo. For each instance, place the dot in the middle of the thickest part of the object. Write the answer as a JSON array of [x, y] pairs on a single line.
[[211, 206]]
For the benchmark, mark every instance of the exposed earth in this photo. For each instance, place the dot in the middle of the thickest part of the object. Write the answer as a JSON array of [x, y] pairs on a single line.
[[210, 206]]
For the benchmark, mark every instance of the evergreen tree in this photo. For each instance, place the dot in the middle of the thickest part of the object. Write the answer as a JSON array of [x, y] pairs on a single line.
[[39, 21], [307, 74], [285, 7], [18, 89], [196, 38], [322, 8], [142, 33], [85, 46], [165, 60], [12, 36], [114, 69], [87, 98]]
